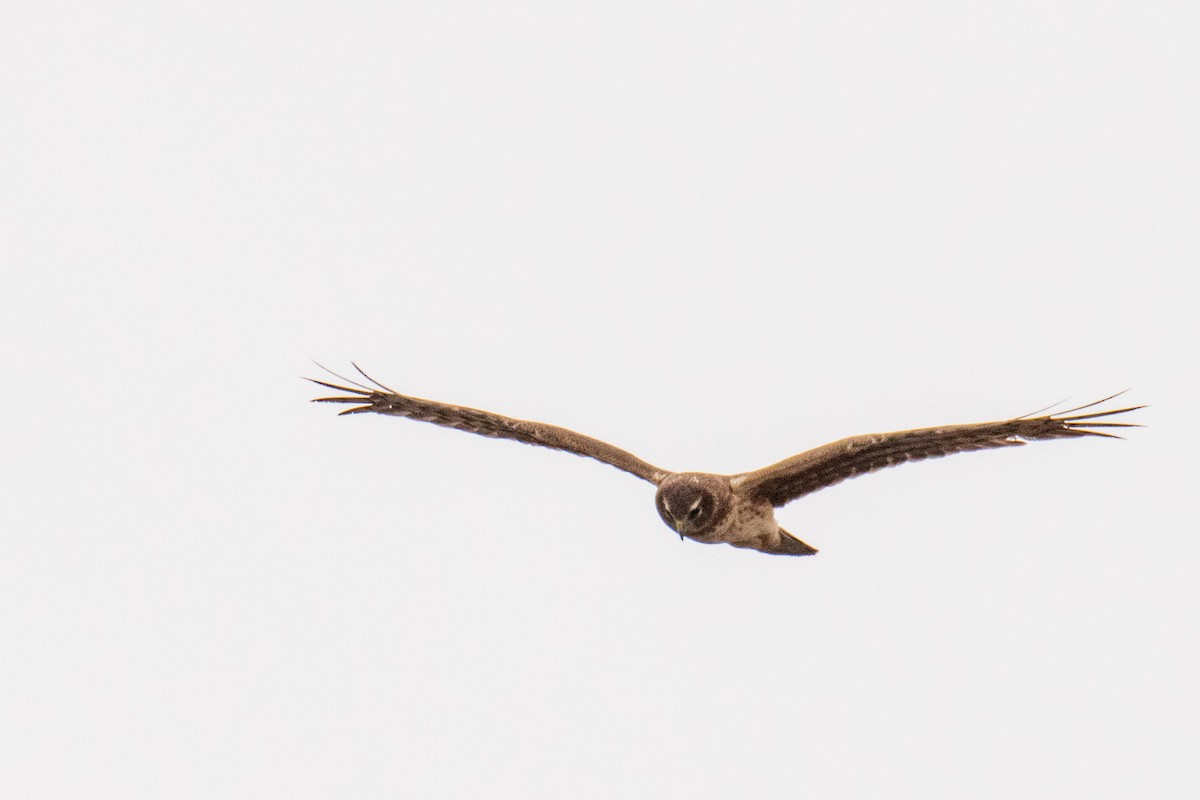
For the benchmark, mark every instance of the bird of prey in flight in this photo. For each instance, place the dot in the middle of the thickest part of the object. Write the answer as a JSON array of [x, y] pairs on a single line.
[[739, 509]]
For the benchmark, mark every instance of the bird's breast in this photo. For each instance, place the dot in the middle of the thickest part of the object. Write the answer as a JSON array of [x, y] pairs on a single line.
[[746, 522]]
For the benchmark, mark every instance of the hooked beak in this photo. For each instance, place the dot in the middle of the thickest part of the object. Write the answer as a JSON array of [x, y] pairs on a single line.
[[679, 528]]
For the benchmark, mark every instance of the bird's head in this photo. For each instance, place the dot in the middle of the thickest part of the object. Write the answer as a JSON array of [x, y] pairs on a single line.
[[693, 504]]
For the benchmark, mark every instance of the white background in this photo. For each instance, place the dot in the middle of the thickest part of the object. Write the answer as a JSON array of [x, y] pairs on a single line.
[[713, 233]]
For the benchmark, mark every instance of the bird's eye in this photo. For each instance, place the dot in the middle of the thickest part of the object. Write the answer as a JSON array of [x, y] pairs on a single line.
[[694, 513]]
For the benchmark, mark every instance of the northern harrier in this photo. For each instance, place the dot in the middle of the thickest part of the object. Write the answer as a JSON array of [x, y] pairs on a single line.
[[739, 509]]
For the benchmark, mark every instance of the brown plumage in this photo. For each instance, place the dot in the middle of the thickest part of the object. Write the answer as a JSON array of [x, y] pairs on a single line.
[[739, 509]]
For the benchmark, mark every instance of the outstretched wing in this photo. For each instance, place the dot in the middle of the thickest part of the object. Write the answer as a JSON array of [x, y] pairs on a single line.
[[382, 400], [832, 463]]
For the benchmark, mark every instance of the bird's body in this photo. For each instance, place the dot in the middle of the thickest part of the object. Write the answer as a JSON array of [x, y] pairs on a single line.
[[722, 514], [740, 509]]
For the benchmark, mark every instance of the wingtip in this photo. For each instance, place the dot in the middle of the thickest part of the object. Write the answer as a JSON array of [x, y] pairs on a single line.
[[387, 389], [362, 391]]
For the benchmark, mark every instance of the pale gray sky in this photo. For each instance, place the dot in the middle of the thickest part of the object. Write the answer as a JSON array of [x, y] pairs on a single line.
[[715, 234]]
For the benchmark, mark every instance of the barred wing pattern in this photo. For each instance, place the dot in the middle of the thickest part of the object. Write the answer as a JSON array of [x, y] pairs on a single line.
[[824, 466], [382, 400]]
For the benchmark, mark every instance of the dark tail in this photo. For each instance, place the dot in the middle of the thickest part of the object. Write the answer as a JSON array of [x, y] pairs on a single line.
[[791, 546]]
